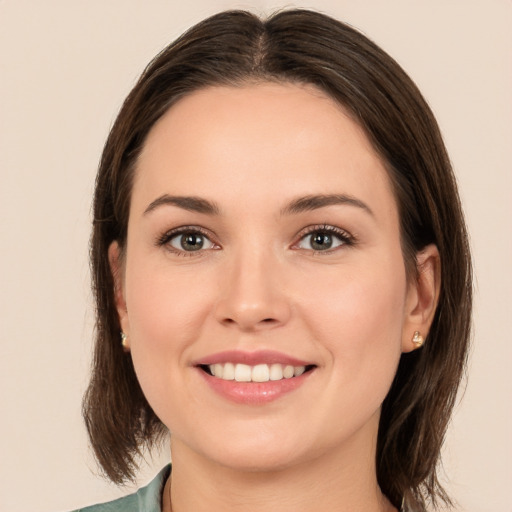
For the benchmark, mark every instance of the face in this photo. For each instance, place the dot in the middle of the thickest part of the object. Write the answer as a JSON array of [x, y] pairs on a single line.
[[263, 242]]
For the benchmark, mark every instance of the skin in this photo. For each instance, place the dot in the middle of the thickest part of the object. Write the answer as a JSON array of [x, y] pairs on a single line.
[[258, 284]]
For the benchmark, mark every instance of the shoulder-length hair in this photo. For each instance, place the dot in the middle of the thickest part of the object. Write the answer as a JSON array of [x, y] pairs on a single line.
[[297, 46]]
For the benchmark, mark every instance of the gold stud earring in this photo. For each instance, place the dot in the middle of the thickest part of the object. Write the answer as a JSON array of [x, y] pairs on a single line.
[[418, 339], [124, 341]]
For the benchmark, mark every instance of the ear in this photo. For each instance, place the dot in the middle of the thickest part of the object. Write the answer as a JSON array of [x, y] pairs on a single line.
[[116, 267], [422, 296]]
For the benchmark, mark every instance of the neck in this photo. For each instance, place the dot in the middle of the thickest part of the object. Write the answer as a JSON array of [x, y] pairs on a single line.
[[335, 481]]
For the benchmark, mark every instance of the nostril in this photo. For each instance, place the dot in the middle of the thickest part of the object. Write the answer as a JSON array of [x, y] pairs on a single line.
[[246, 323]]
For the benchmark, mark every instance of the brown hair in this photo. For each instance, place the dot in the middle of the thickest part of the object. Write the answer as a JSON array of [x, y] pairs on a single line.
[[301, 46]]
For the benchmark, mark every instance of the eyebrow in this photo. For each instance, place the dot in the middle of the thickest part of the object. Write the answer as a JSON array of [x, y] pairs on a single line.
[[314, 202], [299, 205], [190, 203]]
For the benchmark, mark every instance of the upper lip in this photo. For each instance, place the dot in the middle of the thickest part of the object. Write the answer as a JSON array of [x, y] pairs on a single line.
[[251, 358]]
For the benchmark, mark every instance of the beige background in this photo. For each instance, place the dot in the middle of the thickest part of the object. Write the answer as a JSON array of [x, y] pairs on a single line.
[[65, 67]]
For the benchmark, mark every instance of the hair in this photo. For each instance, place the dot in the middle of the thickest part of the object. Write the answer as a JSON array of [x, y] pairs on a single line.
[[297, 46]]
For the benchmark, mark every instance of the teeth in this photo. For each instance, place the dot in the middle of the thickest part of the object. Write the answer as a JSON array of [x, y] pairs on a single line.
[[276, 372], [228, 373], [258, 373], [298, 371], [288, 372], [243, 373], [218, 370]]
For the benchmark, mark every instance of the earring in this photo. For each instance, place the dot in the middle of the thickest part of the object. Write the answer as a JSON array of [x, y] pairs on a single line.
[[418, 339], [124, 341]]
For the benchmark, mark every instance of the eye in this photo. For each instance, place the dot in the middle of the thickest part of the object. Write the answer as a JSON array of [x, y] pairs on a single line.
[[322, 239], [190, 242], [186, 241]]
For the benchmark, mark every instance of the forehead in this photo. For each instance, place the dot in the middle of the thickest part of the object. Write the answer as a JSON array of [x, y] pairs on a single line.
[[274, 139]]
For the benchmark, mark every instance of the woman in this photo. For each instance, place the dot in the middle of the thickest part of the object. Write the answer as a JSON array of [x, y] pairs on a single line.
[[282, 275]]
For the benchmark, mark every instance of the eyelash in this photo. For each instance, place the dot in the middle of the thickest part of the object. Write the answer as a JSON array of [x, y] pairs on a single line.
[[164, 239], [346, 238]]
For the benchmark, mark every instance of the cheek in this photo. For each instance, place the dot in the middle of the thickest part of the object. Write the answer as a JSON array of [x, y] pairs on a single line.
[[358, 300], [357, 317], [163, 306], [166, 314]]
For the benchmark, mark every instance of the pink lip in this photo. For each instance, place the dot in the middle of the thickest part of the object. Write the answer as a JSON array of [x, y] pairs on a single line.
[[253, 393], [251, 358]]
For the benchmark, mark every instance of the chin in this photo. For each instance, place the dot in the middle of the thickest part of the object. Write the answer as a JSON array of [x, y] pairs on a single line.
[[257, 461], [246, 450]]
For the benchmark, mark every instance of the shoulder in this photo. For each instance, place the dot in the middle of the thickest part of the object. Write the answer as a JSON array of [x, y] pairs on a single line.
[[146, 499]]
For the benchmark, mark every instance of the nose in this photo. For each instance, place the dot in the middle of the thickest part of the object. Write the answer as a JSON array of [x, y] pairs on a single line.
[[252, 295]]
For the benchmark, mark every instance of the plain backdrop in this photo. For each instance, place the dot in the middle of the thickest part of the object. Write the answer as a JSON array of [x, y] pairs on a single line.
[[65, 67]]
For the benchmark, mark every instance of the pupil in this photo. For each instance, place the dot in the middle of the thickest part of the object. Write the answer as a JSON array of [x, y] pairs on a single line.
[[321, 241], [192, 242]]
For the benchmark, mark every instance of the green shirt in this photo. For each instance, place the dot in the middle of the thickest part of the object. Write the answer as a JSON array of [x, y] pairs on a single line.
[[146, 499]]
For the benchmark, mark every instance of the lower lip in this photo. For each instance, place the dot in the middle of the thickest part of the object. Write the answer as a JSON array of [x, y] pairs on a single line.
[[254, 393]]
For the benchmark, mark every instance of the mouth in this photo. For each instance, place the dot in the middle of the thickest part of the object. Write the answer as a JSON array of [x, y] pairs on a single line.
[[259, 373], [254, 377]]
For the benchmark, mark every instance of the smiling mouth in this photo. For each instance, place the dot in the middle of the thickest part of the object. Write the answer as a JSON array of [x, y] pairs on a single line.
[[257, 373]]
